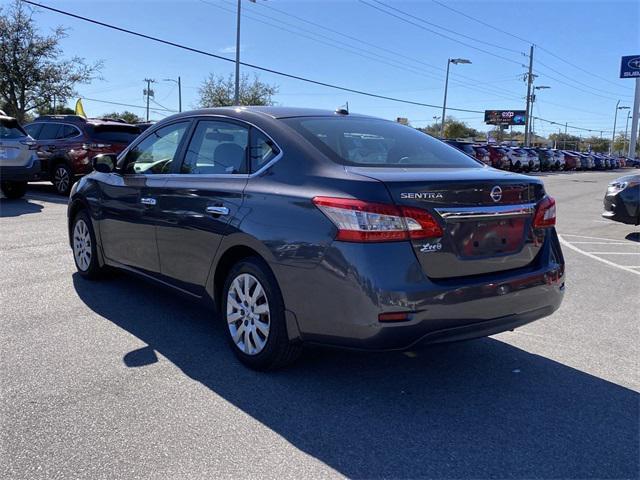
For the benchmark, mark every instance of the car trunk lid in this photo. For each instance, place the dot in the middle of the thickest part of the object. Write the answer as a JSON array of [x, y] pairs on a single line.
[[486, 216]]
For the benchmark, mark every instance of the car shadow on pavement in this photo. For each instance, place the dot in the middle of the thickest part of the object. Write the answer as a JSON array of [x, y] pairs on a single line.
[[633, 236], [17, 207], [469, 410]]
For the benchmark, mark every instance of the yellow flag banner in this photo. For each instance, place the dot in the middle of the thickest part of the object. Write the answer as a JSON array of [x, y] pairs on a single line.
[[80, 109]]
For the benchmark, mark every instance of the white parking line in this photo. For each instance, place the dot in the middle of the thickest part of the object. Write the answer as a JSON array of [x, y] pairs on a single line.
[[604, 243], [615, 253], [591, 255]]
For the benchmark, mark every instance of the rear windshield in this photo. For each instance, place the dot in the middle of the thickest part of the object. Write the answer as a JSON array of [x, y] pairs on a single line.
[[10, 129], [115, 133], [377, 143]]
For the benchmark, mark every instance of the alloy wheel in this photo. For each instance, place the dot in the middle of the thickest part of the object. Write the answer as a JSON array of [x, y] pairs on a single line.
[[61, 179], [82, 245], [248, 315]]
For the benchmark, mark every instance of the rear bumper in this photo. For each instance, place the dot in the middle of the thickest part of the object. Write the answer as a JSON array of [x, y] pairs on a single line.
[[24, 173], [345, 301]]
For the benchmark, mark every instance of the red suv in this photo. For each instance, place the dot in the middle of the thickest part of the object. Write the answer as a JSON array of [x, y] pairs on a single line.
[[499, 157], [66, 144]]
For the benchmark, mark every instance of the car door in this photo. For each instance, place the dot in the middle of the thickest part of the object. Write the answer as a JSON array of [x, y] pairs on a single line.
[[129, 198], [200, 202]]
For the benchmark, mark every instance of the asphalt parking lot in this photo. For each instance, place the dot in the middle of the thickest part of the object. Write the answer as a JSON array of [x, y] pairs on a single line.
[[120, 379]]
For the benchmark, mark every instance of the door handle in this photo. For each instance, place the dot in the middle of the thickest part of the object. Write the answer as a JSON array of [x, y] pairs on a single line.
[[218, 210], [148, 201]]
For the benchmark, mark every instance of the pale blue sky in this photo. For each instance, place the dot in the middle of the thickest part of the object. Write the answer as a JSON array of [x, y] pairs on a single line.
[[410, 63]]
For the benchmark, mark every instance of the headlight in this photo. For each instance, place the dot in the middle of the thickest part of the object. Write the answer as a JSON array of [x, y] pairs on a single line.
[[615, 187]]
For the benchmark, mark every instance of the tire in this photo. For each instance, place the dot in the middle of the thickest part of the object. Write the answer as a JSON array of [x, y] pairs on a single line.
[[62, 178], [256, 329], [85, 254], [13, 190]]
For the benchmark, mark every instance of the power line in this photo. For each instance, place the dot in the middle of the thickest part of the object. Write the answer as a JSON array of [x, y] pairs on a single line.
[[546, 50], [422, 20], [574, 80], [250, 65], [437, 33], [257, 67], [367, 54], [157, 110]]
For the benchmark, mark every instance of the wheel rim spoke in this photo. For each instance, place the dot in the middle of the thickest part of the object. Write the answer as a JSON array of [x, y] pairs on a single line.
[[247, 314]]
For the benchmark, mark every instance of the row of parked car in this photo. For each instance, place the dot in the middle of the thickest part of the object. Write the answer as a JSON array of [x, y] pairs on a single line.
[[58, 148], [531, 159]]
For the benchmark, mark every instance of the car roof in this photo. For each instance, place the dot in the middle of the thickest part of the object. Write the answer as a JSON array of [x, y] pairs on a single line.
[[268, 111], [78, 120]]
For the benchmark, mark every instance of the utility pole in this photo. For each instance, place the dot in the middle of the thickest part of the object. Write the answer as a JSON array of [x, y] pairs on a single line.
[[236, 94], [148, 93], [564, 143], [527, 125]]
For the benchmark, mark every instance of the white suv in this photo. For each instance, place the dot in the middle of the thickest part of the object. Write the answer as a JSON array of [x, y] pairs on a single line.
[[19, 162]]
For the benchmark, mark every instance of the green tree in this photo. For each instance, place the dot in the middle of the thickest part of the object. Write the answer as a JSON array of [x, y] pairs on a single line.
[[217, 91], [127, 116], [561, 140], [621, 144], [452, 129], [597, 144], [33, 74], [59, 110]]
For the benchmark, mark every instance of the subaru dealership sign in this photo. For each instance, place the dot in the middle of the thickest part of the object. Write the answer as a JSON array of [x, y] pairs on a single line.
[[630, 67]]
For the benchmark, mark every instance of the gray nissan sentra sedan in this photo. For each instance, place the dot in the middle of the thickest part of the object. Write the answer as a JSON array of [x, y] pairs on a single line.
[[310, 226]]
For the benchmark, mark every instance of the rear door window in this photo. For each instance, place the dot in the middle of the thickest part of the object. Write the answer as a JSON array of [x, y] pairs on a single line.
[[33, 129], [217, 148], [50, 131], [68, 131], [114, 133]]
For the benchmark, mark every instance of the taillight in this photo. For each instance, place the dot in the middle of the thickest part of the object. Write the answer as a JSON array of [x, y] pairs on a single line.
[[30, 144], [545, 213], [359, 221]]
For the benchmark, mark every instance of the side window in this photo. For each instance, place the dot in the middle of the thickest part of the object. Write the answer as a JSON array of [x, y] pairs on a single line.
[[156, 153], [262, 150], [49, 131], [217, 147], [68, 131], [33, 130]]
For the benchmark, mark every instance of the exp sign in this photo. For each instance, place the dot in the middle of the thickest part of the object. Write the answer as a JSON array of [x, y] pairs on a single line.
[[630, 66], [505, 117]]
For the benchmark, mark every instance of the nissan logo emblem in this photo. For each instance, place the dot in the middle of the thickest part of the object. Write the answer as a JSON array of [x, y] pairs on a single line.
[[496, 194]]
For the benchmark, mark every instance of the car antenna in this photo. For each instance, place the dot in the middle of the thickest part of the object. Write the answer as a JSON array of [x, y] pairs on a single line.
[[344, 109]]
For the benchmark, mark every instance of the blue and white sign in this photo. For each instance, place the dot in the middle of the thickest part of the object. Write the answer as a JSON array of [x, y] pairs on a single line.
[[630, 67]]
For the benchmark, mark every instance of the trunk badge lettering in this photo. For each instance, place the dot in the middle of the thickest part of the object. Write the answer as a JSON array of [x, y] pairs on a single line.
[[431, 247], [421, 195], [496, 194]]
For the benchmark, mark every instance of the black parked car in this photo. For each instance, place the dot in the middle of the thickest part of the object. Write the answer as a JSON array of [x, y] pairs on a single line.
[[305, 225], [622, 200]]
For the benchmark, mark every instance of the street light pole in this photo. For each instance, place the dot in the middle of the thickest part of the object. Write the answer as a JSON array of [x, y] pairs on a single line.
[[615, 120], [455, 61], [626, 132], [236, 93], [178, 82]]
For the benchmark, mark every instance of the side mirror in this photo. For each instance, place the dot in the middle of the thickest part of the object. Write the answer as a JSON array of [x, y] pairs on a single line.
[[104, 163]]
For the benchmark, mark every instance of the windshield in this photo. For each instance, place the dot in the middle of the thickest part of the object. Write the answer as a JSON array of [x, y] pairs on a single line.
[[115, 133], [377, 143]]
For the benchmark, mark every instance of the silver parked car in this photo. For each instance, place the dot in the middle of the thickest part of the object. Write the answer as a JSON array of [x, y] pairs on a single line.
[[19, 162]]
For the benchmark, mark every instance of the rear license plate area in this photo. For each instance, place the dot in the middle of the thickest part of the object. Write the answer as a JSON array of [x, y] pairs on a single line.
[[486, 238]]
